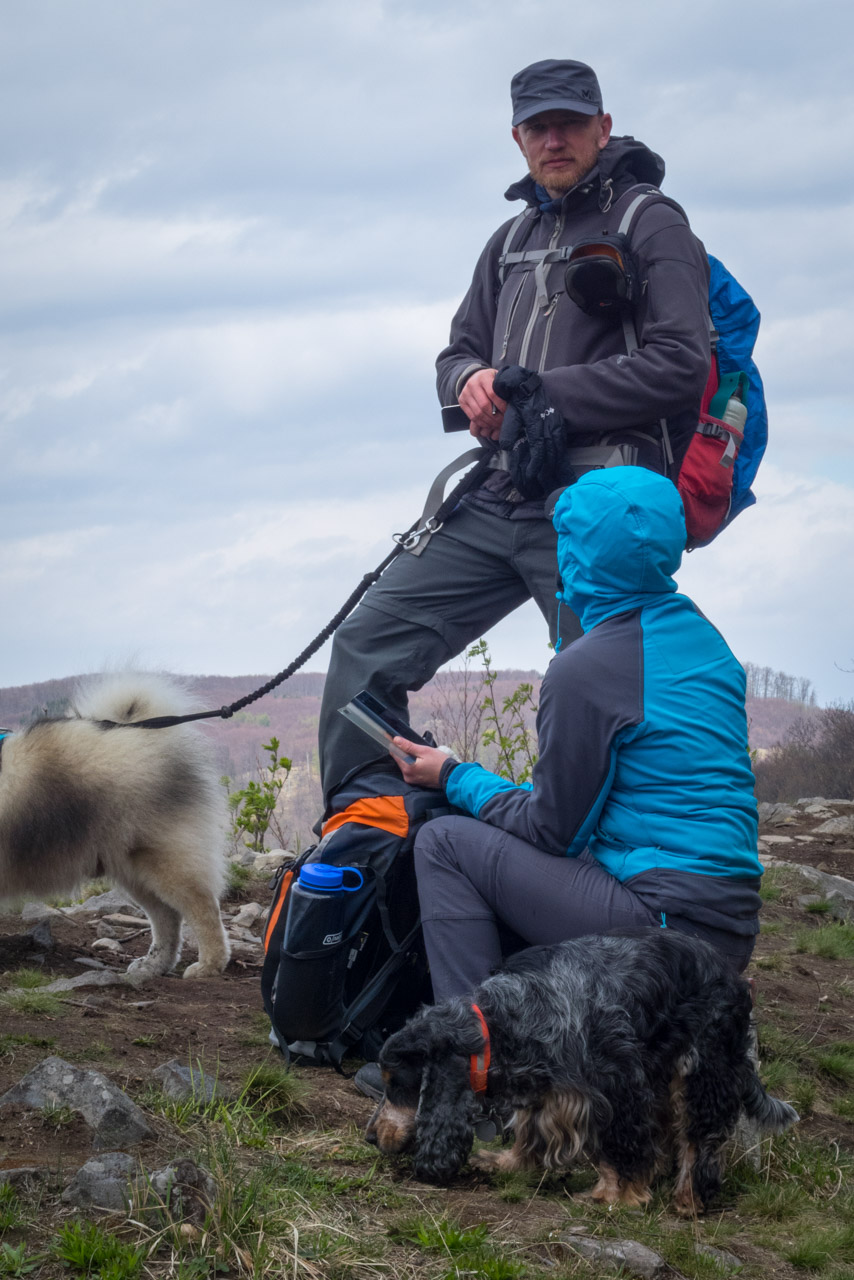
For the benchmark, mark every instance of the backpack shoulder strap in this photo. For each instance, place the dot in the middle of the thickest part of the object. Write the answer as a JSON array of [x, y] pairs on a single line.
[[509, 238]]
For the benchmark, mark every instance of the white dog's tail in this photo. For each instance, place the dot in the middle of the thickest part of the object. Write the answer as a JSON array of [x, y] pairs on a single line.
[[771, 1115], [133, 695]]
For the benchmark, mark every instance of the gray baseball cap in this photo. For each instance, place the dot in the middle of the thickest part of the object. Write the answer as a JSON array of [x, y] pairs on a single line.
[[555, 85]]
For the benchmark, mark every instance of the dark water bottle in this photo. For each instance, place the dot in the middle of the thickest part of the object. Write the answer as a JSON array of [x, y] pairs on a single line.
[[326, 908]]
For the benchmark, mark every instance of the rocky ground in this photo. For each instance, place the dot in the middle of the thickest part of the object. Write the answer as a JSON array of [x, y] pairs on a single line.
[[259, 1179]]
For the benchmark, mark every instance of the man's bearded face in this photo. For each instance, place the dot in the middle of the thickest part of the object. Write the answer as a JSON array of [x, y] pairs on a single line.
[[561, 147]]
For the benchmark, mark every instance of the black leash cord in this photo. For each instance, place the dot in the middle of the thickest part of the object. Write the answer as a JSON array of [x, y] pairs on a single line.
[[468, 481]]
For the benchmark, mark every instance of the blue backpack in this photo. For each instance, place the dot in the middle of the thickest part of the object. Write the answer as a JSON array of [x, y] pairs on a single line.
[[736, 320], [722, 459]]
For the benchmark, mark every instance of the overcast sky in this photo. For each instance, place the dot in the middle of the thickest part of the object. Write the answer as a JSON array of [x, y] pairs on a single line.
[[234, 234]]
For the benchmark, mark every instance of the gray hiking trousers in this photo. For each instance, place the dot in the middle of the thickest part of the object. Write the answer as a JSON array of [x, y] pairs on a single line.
[[426, 610], [484, 892]]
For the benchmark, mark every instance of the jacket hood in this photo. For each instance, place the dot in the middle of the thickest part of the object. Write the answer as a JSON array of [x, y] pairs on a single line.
[[624, 160], [621, 534]]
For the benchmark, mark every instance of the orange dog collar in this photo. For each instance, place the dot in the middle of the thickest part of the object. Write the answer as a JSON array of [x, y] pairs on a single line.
[[479, 1068]]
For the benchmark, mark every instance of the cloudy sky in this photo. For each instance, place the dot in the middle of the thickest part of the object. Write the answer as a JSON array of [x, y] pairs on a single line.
[[234, 234]]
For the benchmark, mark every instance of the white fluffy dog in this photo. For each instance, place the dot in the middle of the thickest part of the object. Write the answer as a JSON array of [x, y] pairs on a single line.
[[81, 798]]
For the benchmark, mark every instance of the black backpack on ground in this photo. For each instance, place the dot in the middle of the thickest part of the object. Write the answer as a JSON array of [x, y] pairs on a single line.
[[343, 969]]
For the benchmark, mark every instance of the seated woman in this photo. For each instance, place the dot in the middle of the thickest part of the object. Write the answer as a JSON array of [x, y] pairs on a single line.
[[641, 810]]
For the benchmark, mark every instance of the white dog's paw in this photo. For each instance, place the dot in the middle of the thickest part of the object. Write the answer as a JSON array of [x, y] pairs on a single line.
[[153, 964], [199, 970]]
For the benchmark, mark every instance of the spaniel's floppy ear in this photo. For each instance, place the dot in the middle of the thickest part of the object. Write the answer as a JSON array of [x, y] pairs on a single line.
[[443, 1125]]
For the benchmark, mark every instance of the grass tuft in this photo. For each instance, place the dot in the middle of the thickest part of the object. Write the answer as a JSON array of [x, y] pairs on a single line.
[[817, 1248], [27, 979], [33, 1001], [88, 1250], [833, 941], [275, 1091], [15, 1261]]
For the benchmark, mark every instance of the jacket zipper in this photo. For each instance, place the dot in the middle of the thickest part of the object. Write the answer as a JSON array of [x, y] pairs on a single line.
[[511, 313], [550, 321]]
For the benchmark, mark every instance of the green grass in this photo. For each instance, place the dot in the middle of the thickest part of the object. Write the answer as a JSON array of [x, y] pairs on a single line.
[[816, 1249], [836, 1060], [238, 877], [33, 1001], [58, 1117], [88, 1250], [775, 1202], [819, 908], [16, 1261], [88, 890], [269, 1098], [469, 1249], [257, 1034], [831, 941], [11, 1041], [26, 979], [12, 1216], [275, 1091]]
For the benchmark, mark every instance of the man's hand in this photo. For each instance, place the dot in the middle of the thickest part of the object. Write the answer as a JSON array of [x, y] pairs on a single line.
[[428, 764], [481, 405]]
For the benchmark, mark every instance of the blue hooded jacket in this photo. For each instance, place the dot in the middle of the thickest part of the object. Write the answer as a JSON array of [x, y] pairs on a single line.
[[642, 725]]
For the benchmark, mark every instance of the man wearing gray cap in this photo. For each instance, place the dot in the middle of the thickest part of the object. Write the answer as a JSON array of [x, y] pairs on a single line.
[[605, 390]]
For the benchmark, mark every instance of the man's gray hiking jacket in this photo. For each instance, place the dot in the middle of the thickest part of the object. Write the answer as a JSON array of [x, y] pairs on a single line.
[[509, 317]]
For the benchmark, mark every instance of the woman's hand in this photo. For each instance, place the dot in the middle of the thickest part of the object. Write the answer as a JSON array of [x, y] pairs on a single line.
[[428, 763]]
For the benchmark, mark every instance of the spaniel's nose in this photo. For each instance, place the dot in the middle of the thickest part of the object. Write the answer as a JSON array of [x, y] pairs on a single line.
[[371, 1136]]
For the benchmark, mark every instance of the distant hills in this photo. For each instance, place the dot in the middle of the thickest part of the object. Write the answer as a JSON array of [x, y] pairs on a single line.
[[291, 711], [450, 706]]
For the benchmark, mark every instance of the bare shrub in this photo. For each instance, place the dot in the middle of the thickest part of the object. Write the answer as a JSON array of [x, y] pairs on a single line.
[[816, 758]]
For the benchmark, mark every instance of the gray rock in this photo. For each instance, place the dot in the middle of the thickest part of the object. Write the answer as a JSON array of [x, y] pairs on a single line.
[[243, 935], [632, 1257], [187, 1191], [42, 936], [36, 911], [809, 899], [247, 915], [251, 950], [830, 804], [21, 1178], [837, 826], [107, 944], [838, 891], [113, 1118], [725, 1260], [180, 1083], [102, 904], [776, 840], [101, 977], [267, 863], [103, 929], [89, 962], [104, 1182], [776, 815]]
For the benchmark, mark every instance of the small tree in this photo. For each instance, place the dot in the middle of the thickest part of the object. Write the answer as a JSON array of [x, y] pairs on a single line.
[[515, 741], [254, 806]]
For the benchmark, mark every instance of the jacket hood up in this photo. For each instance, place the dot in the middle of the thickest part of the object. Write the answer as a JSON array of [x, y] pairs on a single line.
[[624, 161], [621, 534]]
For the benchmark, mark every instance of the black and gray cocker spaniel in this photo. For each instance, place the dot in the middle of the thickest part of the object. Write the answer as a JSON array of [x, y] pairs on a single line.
[[630, 1050]]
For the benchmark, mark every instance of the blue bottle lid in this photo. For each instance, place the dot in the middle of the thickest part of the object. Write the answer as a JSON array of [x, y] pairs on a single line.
[[320, 875]]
